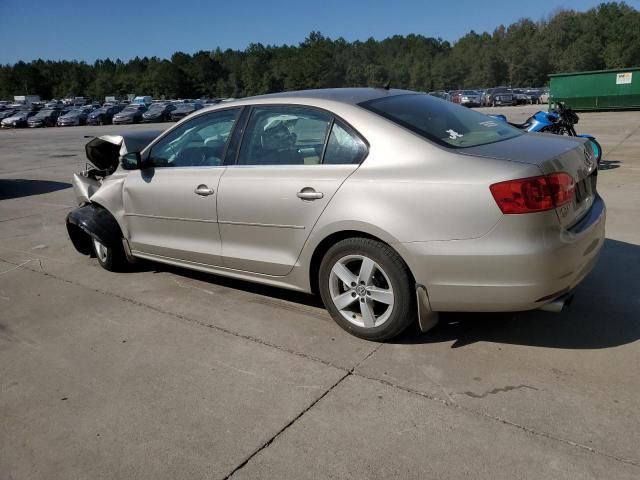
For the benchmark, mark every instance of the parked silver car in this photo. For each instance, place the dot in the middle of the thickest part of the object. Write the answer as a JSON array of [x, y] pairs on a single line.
[[470, 98], [392, 205]]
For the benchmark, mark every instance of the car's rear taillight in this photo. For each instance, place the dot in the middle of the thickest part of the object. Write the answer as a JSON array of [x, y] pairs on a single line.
[[534, 194]]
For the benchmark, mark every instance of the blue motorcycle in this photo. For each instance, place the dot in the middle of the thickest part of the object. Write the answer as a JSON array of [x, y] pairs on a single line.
[[560, 122]]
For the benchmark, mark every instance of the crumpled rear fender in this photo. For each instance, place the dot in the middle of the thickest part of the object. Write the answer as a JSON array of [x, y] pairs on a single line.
[[92, 221]]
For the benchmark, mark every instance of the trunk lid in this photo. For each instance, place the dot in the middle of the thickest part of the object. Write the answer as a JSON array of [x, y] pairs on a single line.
[[552, 153]]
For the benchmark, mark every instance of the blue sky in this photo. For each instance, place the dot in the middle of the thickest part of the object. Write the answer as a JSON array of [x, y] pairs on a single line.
[[90, 29]]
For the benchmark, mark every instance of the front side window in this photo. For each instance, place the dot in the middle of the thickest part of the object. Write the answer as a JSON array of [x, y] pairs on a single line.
[[442, 122], [197, 143], [284, 136]]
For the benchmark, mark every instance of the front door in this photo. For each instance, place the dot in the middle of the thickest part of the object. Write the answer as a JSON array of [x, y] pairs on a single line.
[[291, 163], [170, 208]]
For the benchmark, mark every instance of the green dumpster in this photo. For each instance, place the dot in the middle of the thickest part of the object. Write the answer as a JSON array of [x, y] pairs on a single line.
[[597, 90]]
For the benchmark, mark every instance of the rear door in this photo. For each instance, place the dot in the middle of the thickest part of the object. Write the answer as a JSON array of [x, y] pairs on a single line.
[[170, 209], [291, 162]]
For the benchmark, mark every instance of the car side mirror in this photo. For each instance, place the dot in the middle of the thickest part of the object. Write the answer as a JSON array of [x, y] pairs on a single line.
[[134, 161]]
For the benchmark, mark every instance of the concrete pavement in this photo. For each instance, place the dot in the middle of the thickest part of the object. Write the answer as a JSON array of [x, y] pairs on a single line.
[[167, 373]]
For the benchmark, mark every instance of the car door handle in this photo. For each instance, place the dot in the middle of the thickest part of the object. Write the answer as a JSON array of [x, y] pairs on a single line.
[[308, 193], [203, 190]]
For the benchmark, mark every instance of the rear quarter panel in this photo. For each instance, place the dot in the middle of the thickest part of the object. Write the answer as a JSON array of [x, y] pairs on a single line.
[[416, 191], [410, 190]]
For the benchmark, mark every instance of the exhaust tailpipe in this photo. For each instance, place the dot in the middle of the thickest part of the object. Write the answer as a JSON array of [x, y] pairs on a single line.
[[559, 304]]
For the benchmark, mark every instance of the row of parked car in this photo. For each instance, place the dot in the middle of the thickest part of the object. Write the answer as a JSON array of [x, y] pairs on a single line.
[[494, 97], [57, 114]]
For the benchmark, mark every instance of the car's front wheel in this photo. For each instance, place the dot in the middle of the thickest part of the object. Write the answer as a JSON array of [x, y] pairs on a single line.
[[367, 288], [110, 258]]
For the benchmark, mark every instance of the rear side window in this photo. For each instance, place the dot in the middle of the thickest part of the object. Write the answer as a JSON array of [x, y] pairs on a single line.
[[343, 148], [284, 136], [440, 121]]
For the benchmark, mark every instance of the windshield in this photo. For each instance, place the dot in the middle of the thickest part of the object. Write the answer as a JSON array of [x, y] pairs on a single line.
[[157, 106], [440, 121], [185, 107], [131, 110], [43, 113]]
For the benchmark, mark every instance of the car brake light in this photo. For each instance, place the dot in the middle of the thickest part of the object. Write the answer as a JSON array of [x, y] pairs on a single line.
[[534, 194]]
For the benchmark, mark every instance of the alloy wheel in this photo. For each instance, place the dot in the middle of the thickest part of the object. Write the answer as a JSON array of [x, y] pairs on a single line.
[[361, 291], [101, 250]]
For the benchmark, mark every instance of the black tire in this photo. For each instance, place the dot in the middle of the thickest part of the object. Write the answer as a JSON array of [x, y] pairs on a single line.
[[403, 312], [110, 258]]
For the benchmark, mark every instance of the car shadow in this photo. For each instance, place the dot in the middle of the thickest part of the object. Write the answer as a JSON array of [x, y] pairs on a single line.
[[605, 313], [609, 164], [16, 188], [236, 284]]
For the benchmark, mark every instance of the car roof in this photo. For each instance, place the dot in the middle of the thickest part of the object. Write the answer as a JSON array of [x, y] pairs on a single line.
[[350, 96]]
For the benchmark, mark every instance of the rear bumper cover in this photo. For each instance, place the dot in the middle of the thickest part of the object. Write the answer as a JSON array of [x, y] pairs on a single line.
[[513, 267]]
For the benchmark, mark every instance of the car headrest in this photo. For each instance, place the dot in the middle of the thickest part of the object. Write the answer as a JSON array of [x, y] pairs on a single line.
[[277, 137]]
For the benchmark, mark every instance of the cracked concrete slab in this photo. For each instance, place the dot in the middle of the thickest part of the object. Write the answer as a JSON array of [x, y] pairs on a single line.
[[365, 429], [566, 375], [94, 387]]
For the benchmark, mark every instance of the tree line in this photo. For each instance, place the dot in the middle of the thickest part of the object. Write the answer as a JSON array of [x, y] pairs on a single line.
[[521, 54]]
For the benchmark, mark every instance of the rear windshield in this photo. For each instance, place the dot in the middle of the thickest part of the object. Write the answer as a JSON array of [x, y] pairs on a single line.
[[440, 121]]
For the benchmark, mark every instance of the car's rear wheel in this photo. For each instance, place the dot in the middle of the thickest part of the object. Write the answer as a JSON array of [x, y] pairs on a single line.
[[110, 258], [367, 288]]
